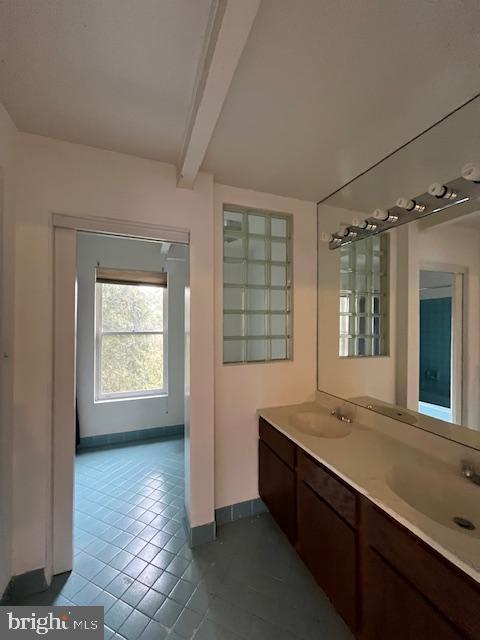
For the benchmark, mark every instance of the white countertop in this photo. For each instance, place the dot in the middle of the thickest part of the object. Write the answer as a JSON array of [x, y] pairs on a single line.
[[374, 464]]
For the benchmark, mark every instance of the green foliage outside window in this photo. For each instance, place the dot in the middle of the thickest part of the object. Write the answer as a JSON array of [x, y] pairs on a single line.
[[131, 341]]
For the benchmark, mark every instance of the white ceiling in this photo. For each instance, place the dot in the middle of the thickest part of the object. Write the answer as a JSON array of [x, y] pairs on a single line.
[[115, 74], [324, 88]]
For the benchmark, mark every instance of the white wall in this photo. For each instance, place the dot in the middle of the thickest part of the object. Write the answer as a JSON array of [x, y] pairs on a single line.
[[117, 416], [7, 144], [60, 177], [348, 377], [241, 389]]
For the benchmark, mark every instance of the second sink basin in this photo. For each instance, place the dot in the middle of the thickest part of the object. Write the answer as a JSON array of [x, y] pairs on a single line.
[[319, 424], [439, 494]]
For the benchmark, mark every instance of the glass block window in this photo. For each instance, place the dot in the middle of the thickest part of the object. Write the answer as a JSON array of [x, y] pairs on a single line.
[[364, 297], [257, 290]]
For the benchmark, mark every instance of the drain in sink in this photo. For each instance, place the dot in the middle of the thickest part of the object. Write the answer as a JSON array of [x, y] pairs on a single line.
[[464, 523]]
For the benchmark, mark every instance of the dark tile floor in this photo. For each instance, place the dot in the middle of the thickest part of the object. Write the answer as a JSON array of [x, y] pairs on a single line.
[[131, 557]]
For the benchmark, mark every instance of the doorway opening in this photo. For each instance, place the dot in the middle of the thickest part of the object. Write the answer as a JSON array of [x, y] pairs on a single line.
[[129, 463], [441, 337]]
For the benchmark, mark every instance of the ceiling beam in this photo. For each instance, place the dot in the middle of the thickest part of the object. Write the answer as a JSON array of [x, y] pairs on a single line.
[[229, 24]]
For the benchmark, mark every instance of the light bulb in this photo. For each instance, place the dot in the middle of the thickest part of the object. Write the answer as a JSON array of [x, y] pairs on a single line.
[[471, 172], [384, 216], [439, 190], [410, 205]]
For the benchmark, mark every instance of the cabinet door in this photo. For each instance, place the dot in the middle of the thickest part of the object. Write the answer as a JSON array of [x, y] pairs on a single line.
[[276, 486], [396, 610], [327, 545]]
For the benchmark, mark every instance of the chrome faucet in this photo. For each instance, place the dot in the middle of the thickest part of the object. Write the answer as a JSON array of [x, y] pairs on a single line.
[[340, 416], [468, 471]]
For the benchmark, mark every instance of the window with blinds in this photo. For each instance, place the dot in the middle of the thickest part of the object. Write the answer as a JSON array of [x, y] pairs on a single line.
[[130, 340], [257, 286], [364, 299]]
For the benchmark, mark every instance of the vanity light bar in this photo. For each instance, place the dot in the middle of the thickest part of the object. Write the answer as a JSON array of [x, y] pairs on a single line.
[[438, 197]]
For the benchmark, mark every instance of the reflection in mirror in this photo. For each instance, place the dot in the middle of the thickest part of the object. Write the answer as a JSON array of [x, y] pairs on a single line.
[[399, 313]]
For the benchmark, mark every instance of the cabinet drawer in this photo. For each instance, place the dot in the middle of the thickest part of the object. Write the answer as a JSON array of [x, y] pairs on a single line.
[[280, 444], [449, 590], [342, 499]]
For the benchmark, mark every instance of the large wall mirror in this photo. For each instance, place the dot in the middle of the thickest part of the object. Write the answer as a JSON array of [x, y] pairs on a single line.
[[399, 312]]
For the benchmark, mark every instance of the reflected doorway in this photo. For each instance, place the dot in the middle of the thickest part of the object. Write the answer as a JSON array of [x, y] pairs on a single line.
[[441, 335]]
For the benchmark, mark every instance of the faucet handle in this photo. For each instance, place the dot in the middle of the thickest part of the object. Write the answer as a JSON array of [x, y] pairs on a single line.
[[468, 469]]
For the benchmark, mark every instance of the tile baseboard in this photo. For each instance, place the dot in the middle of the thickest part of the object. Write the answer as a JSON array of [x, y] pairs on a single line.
[[131, 436], [240, 510], [201, 534], [24, 585]]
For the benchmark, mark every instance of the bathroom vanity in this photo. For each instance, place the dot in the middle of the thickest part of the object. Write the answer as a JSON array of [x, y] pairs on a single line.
[[383, 579]]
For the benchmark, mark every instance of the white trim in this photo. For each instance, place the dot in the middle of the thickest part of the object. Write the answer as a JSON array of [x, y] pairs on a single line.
[[110, 226], [64, 374], [127, 395], [59, 553]]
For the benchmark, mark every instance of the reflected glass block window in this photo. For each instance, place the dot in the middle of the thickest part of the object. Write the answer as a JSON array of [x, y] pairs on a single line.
[[364, 301], [257, 286]]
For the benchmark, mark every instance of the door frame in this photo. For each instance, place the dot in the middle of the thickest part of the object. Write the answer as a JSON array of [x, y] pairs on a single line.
[[65, 228], [458, 364]]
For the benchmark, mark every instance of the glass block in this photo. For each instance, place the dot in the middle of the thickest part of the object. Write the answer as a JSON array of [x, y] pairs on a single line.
[[233, 221], [256, 224], [361, 346], [279, 227], [376, 263], [278, 349], [360, 282], [377, 347], [257, 274], [346, 281], [362, 325], [376, 304], [234, 350], [234, 272], [256, 249], [233, 299], [257, 324], [257, 299], [375, 243], [344, 325], [375, 282], [360, 262], [278, 251], [233, 324], [278, 325], [343, 347], [344, 304], [345, 261], [256, 350], [376, 325], [233, 247], [278, 276], [361, 306], [278, 300]]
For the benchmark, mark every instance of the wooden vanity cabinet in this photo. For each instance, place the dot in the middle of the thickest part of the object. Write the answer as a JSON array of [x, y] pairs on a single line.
[[277, 477], [410, 591], [327, 536], [386, 583]]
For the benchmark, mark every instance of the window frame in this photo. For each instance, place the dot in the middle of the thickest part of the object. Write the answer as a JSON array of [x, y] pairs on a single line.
[[99, 396], [354, 293], [268, 337]]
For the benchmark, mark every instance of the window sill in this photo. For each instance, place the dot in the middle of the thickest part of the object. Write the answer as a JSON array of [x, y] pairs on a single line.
[[130, 398]]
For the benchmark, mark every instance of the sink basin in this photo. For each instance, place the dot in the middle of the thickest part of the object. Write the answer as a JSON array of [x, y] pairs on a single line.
[[434, 490], [319, 424]]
